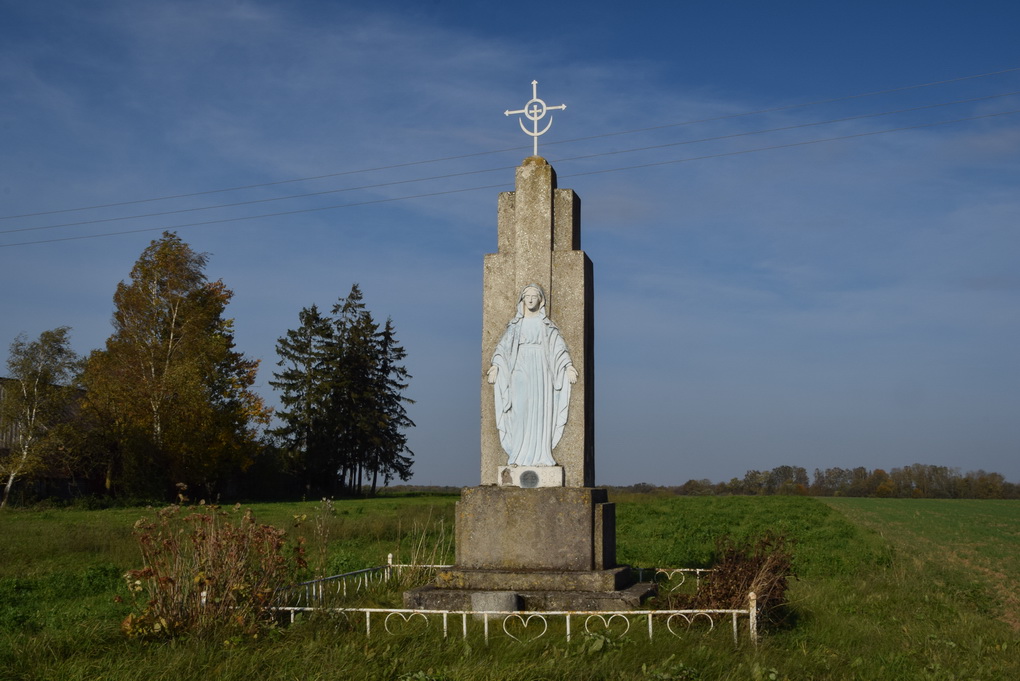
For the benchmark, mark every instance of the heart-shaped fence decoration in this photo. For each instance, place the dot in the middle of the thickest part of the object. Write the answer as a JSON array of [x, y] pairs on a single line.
[[522, 629], [674, 579], [608, 627], [406, 623], [689, 621]]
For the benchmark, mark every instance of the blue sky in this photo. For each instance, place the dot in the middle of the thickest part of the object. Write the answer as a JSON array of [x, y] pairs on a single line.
[[760, 299]]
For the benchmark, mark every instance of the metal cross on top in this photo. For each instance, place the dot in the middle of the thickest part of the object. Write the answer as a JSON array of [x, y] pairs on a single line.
[[535, 111]]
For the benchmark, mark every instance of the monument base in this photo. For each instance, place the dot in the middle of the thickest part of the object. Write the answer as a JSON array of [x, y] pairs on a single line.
[[503, 580], [547, 548], [433, 597], [545, 528]]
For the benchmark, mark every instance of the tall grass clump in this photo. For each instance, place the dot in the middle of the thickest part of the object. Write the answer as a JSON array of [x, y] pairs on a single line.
[[429, 542], [207, 570]]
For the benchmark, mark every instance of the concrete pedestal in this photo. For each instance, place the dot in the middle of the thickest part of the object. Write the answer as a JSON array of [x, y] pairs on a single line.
[[554, 548], [432, 597], [539, 242], [549, 528]]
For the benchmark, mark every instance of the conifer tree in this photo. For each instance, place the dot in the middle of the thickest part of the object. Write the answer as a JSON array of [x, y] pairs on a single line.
[[342, 387], [391, 380], [303, 395], [351, 395]]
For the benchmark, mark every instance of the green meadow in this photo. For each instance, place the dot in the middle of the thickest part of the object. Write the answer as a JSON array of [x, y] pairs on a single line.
[[885, 589]]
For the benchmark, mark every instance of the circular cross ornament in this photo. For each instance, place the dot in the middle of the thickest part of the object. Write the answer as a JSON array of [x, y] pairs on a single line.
[[535, 111]]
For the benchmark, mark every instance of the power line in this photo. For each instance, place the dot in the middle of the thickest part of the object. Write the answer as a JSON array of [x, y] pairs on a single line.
[[788, 107], [257, 217], [786, 128], [517, 148], [496, 186], [795, 144], [178, 211]]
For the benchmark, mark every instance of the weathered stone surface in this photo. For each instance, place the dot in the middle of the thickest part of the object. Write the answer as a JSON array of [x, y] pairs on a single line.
[[550, 528], [433, 598], [495, 601], [536, 580], [539, 242], [531, 476]]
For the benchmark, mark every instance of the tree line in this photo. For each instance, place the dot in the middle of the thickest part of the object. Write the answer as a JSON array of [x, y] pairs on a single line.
[[916, 481], [168, 408]]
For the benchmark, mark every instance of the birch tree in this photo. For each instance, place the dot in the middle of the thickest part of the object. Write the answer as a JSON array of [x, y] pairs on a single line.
[[36, 396], [173, 391]]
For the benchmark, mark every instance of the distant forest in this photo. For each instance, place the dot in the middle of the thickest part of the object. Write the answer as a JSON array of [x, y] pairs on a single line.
[[916, 481]]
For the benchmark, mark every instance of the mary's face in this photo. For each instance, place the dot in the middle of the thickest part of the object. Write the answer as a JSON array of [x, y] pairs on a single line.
[[532, 299]]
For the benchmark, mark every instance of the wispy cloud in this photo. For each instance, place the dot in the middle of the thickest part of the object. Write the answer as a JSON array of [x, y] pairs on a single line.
[[816, 304]]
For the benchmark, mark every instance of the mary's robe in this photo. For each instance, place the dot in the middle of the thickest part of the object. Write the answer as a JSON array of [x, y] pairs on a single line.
[[532, 392]]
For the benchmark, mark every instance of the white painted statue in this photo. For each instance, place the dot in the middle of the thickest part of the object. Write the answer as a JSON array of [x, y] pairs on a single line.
[[531, 374]]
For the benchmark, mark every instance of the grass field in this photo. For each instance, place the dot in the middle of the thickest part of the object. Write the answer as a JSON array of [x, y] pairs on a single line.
[[887, 589], [972, 537]]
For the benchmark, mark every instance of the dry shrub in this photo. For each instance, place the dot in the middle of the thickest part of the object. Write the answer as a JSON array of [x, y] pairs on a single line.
[[763, 567], [207, 570]]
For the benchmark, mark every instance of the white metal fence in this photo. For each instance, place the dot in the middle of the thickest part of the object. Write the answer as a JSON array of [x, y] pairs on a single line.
[[330, 593]]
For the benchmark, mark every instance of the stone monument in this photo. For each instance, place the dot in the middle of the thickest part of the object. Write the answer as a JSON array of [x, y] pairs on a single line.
[[536, 534]]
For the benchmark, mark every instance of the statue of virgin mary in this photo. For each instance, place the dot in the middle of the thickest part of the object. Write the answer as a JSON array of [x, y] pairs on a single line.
[[531, 374]]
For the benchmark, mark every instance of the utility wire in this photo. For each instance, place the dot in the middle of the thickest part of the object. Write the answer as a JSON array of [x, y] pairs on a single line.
[[786, 128], [255, 201], [793, 144], [502, 168], [788, 107], [777, 109], [497, 186], [257, 217]]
